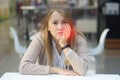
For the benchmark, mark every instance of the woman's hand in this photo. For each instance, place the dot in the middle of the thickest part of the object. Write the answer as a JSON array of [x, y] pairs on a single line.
[[63, 71], [67, 72], [66, 35]]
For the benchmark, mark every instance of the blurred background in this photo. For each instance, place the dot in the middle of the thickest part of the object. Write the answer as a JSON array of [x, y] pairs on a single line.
[[91, 17]]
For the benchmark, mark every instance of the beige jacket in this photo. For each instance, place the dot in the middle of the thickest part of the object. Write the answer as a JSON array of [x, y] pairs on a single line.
[[35, 62]]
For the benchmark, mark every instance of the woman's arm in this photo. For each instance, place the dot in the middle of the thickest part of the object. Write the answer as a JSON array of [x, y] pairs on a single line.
[[56, 70], [28, 63], [78, 59]]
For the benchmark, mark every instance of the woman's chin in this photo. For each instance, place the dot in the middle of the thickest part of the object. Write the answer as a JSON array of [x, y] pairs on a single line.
[[59, 37]]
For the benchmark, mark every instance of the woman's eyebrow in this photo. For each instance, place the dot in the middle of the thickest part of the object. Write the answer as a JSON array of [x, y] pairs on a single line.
[[58, 20], [54, 20]]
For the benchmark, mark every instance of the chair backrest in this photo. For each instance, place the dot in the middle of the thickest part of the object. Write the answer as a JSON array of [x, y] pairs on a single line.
[[18, 47], [103, 37], [15, 37], [100, 47]]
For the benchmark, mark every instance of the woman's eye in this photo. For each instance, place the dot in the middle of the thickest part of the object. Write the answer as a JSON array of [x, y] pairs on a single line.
[[64, 22], [55, 22]]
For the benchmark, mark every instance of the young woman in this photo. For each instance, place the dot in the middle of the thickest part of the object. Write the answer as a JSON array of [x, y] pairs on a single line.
[[57, 48]]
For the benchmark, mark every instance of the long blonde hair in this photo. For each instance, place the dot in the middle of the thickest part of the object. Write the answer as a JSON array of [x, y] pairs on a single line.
[[47, 37]]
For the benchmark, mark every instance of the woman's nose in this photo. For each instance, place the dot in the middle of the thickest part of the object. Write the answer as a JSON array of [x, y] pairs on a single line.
[[61, 26]]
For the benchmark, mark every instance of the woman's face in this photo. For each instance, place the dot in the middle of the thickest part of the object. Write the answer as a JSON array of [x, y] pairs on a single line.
[[56, 25]]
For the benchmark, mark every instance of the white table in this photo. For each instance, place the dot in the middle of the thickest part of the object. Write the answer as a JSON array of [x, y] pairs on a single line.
[[17, 76]]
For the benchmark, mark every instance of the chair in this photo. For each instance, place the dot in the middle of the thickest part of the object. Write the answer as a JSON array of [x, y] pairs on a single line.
[[100, 47], [18, 47], [96, 54]]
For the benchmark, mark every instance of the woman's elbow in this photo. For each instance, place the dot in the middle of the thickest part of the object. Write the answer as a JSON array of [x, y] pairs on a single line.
[[22, 69], [82, 70]]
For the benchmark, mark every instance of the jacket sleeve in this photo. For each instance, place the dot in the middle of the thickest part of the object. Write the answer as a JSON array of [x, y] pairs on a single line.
[[28, 63], [79, 58]]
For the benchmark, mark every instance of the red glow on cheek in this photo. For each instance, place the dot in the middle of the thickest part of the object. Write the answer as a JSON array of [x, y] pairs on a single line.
[[71, 35]]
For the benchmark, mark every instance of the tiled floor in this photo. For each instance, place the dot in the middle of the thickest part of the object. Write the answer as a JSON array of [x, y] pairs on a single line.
[[9, 59]]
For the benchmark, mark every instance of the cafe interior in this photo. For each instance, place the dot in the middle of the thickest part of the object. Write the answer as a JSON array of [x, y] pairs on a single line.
[[98, 20]]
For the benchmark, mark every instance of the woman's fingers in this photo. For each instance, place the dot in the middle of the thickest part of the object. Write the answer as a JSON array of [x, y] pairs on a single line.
[[74, 73], [70, 73], [67, 30], [66, 34]]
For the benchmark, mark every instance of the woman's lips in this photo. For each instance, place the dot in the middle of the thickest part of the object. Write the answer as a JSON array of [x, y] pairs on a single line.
[[60, 32]]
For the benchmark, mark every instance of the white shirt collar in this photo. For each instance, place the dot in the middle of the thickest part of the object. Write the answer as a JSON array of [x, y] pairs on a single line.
[[58, 59]]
